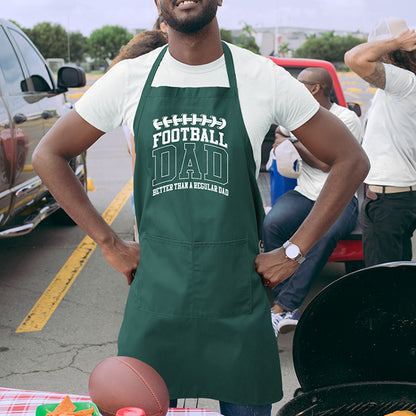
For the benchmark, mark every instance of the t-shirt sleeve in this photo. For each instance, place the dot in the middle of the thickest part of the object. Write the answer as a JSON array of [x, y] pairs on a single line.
[[399, 82], [101, 105], [294, 105], [351, 120]]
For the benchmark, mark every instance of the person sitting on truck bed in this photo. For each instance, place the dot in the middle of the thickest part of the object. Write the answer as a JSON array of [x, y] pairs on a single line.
[[292, 207]]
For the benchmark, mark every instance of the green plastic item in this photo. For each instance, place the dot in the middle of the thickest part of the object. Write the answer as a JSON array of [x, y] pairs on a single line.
[[42, 409]]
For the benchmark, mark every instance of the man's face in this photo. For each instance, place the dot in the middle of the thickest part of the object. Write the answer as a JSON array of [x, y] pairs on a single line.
[[188, 16]]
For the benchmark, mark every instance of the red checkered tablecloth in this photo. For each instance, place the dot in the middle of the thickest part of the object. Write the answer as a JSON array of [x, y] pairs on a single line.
[[24, 402]]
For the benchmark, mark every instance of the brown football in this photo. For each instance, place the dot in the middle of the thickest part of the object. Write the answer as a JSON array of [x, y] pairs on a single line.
[[119, 382]]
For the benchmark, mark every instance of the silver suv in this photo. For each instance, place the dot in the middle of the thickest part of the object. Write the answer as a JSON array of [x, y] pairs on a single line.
[[31, 100]]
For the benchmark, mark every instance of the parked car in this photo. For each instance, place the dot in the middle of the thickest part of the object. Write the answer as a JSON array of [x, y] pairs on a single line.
[[350, 249], [31, 100]]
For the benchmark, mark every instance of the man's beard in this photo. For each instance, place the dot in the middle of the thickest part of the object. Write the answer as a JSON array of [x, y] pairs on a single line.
[[191, 24]]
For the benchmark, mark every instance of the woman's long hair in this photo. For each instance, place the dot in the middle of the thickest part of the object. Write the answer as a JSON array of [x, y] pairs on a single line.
[[142, 43], [403, 59]]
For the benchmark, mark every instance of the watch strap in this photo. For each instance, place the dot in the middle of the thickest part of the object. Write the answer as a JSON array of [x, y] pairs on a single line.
[[299, 258]]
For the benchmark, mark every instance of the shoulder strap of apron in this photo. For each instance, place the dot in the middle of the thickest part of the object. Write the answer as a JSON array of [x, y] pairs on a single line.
[[152, 72], [147, 86], [228, 62]]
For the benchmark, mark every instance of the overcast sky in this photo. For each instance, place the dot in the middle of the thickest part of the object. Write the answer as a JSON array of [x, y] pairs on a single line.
[[87, 15]]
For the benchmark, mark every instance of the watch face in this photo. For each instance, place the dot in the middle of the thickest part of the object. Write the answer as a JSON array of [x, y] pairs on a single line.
[[292, 251]]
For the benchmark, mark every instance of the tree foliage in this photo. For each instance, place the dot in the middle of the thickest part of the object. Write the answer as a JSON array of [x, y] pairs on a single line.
[[283, 50], [50, 39], [328, 47], [247, 40], [226, 36], [105, 43], [78, 47]]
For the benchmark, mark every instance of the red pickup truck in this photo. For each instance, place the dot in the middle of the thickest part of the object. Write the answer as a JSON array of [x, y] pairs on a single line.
[[350, 249]]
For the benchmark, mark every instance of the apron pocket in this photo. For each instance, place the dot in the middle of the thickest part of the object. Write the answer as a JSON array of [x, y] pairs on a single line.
[[195, 280], [163, 272], [222, 271]]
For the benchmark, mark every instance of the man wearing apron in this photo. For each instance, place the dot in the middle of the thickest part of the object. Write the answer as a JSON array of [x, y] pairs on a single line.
[[198, 311]]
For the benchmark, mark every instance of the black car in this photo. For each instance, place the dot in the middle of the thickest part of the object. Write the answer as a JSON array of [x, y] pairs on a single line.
[[31, 100]]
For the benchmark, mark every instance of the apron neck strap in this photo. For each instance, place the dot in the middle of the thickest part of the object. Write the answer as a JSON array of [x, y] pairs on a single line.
[[228, 63], [156, 65]]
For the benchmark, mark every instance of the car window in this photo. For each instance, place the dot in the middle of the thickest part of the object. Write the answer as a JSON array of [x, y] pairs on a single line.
[[10, 66], [37, 69], [294, 71]]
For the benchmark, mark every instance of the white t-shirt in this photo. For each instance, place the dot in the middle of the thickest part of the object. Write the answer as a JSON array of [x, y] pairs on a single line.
[[390, 136], [268, 94], [311, 180]]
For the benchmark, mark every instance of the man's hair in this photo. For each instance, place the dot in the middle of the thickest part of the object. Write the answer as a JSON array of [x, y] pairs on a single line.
[[322, 77], [403, 59], [142, 43]]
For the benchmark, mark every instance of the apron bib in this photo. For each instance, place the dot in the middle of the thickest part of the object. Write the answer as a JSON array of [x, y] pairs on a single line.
[[197, 311]]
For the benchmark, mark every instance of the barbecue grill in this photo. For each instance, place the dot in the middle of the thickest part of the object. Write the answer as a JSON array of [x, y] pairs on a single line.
[[354, 348]]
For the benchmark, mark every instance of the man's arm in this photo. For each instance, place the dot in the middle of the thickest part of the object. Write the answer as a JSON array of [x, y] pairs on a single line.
[[326, 137], [69, 137], [310, 159], [365, 59], [304, 153]]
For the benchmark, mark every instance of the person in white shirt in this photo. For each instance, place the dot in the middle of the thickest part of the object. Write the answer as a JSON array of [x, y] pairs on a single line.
[[197, 310], [292, 207], [388, 215]]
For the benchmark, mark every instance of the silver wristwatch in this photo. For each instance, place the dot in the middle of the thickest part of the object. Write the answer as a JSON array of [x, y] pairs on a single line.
[[293, 139], [293, 252]]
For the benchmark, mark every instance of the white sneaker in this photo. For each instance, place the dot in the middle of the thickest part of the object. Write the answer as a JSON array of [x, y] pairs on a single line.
[[276, 319], [288, 322]]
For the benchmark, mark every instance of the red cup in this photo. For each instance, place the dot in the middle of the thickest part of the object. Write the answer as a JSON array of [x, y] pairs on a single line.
[[130, 411]]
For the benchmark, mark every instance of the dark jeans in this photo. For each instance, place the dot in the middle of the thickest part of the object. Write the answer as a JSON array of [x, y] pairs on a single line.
[[229, 409], [280, 224], [388, 225]]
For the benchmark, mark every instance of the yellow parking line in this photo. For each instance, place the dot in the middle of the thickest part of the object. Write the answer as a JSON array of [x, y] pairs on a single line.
[[55, 292], [354, 89], [75, 95], [90, 185]]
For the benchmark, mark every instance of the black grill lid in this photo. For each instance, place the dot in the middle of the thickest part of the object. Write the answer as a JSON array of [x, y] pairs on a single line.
[[357, 399], [362, 327]]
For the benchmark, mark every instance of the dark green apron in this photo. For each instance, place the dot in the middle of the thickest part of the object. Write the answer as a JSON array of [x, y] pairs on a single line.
[[197, 311]]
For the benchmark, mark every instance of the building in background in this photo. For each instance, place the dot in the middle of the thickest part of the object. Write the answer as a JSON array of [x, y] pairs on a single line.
[[270, 39]]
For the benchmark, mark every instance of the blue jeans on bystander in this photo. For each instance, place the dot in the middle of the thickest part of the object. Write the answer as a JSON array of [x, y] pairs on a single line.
[[280, 224]]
